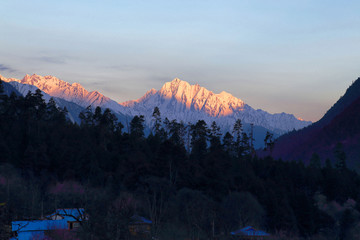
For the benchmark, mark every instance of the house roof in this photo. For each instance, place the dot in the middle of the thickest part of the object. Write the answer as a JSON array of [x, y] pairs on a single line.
[[136, 219], [68, 214], [249, 231]]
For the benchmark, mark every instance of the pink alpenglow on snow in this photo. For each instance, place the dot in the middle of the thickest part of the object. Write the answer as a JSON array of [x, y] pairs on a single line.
[[176, 100]]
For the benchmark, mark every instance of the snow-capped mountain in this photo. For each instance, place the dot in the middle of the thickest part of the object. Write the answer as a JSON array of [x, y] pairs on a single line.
[[180, 100], [23, 89], [70, 92], [176, 100]]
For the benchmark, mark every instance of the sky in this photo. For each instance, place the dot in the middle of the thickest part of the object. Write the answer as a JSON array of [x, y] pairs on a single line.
[[293, 56]]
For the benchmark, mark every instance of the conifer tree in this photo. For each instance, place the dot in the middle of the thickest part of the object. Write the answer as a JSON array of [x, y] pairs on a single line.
[[53, 113], [177, 133], [315, 161], [3, 96], [269, 141], [237, 130], [228, 142], [215, 134], [1, 87], [87, 117], [340, 157], [137, 127], [97, 116], [199, 136], [245, 144], [328, 164], [167, 125], [157, 120]]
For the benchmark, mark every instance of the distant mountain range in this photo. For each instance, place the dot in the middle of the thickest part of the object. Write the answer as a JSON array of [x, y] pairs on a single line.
[[22, 89], [341, 124], [176, 100]]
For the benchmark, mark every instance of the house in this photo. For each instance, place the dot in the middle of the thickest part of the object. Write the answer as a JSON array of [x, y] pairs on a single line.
[[66, 219], [72, 216], [249, 233], [140, 226]]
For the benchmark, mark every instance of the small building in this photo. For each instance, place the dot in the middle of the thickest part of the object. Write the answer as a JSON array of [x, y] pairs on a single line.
[[65, 219], [140, 227], [249, 233]]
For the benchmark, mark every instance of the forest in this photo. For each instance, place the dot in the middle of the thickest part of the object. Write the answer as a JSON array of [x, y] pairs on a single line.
[[188, 179]]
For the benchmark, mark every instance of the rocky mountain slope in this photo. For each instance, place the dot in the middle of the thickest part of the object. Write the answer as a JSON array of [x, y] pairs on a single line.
[[339, 125], [70, 92], [188, 103], [23, 89]]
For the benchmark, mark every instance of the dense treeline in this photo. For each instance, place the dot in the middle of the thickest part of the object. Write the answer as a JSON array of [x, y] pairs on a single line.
[[188, 179]]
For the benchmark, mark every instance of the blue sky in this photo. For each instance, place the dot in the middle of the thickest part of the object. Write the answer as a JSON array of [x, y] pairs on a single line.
[[282, 56]]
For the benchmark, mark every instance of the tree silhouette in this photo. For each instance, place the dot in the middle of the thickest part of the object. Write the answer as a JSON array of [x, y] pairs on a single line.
[[157, 120], [340, 157], [199, 136], [137, 127]]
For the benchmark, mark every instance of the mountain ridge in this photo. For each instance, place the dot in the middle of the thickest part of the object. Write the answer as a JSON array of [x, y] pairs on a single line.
[[177, 100], [196, 102], [70, 92], [338, 125]]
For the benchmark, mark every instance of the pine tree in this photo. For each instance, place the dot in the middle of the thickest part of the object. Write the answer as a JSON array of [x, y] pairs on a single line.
[[199, 136], [40, 104], [166, 125], [215, 134], [328, 164], [340, 157], [53, 113], [237, 130], [315, 161], [177, 133], [228, 142], [3, 96], [157, 120], [108, 121], [1, 87], [97, 116], [245, 144], [137, 127], [269, 141], [87, 117]]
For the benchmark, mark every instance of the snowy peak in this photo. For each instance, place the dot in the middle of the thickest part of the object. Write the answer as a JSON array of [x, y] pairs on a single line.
[[186, 97], [48, 84], [147, 95], [172, 88], [176, 100], [61, 89], [200, 99], [188, 103]]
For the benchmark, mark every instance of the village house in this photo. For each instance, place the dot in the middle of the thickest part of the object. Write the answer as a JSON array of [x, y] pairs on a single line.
[[64, 219], [248, 233], [140, 227]]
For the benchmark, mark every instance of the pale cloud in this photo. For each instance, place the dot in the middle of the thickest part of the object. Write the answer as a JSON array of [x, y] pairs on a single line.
[[6, 68]]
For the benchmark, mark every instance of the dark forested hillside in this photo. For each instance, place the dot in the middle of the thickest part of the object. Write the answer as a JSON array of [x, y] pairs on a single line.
[[188, 181], [338, 127]]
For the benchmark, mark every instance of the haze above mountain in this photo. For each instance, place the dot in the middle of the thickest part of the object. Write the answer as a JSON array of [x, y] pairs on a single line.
[[176, 100]]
